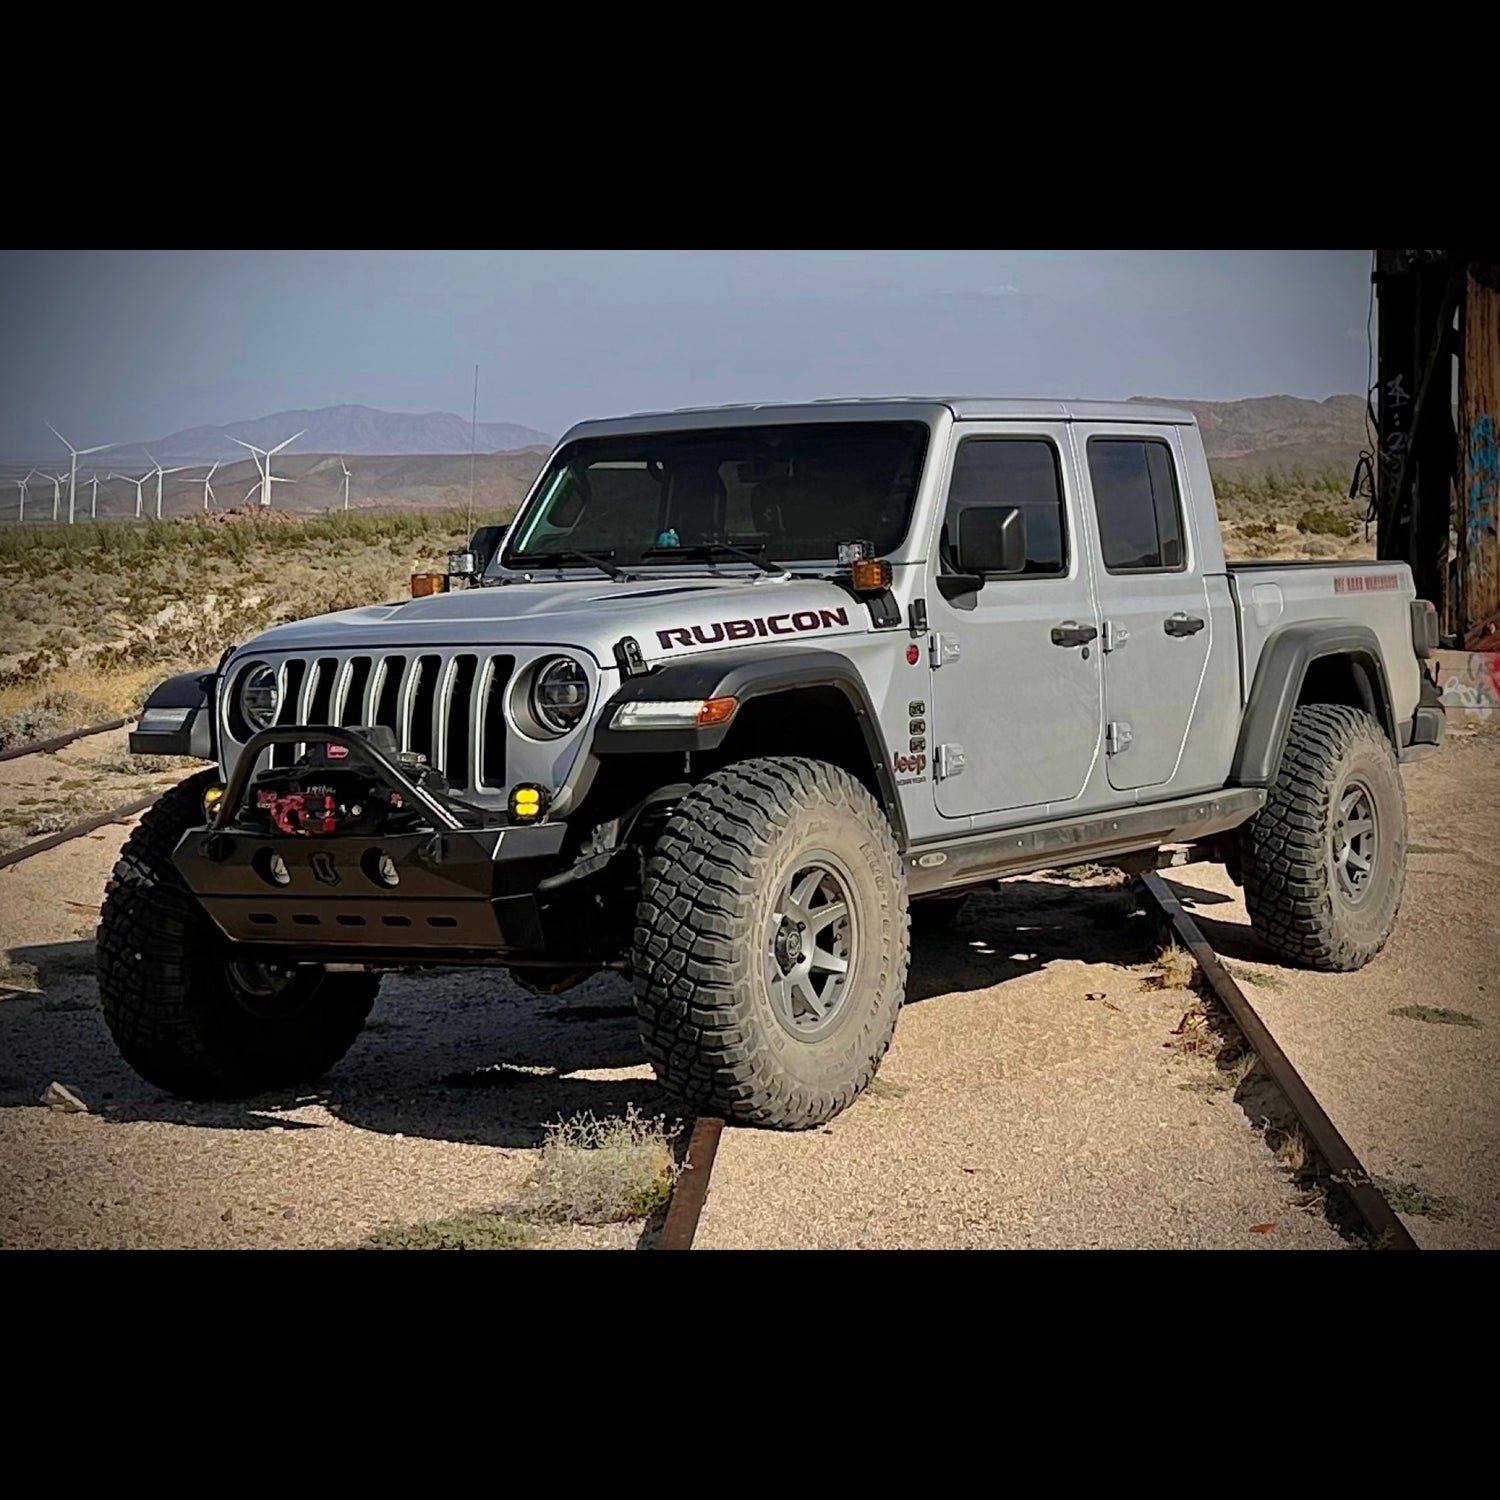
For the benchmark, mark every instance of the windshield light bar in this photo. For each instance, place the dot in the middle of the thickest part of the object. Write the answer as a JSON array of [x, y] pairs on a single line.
[[681, 713]]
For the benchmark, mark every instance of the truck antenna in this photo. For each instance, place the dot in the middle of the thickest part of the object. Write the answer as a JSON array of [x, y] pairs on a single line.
[[473, 435]]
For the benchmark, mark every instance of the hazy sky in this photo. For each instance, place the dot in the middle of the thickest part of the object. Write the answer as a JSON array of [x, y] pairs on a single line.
[[118, 346]]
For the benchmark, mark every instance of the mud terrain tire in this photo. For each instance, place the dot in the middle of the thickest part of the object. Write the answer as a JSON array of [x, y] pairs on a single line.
[[183, 1015], [769, 874], [1325, 858]]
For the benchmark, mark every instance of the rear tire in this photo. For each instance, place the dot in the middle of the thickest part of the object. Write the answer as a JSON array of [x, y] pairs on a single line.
[[1324, 862], [184, 1014], [771, 944]]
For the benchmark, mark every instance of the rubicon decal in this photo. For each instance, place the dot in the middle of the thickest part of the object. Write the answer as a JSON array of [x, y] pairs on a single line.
[[758, 625]]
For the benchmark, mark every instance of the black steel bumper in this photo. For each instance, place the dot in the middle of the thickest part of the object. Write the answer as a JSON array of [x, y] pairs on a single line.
[[463, 889], [448, 888]]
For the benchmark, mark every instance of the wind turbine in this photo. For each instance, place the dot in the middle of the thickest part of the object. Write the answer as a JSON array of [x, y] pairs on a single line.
[[57, 480], [73, 465], [23, 483], [345, 468], [94, 497], [262, 457], [208, 488], [159, 471], [137, 483]]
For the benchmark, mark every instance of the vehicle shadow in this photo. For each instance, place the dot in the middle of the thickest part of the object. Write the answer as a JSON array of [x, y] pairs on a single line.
[[465, 1056], [469, 1056], [1021, 926]]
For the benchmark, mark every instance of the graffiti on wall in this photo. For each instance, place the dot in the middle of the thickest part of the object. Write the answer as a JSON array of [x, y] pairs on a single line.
[[1483, 501], [1476, 687]]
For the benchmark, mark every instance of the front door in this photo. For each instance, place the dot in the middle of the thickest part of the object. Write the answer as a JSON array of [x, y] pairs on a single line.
[[1156, 626], [1015, 705]]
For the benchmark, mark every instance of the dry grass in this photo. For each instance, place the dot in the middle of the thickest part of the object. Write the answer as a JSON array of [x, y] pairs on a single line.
[[19, 978], [1409, 1198], [477, 1230], [1176, 969], [94, 616], [593, 1171], [1436, 1015]]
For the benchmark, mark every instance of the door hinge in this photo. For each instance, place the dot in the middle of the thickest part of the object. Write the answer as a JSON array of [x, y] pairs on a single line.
[[947, 760], [1117, 737], [1114, 637], [944, 648]]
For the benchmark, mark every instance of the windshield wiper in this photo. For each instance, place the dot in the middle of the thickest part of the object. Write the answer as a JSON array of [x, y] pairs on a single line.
[[541, 559], [706, 552]]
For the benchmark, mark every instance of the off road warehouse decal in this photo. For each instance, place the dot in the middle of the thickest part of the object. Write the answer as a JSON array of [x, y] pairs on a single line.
[[1365, 583], [744, 630]]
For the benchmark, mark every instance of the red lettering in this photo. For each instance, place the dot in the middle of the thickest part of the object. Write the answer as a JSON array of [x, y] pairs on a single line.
[[778, 629], [833, 617], [670, 638], [737, 630], [705, 637], [805, 619]]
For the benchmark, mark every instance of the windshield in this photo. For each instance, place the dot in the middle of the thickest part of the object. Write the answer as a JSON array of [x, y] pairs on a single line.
[[783, 494]]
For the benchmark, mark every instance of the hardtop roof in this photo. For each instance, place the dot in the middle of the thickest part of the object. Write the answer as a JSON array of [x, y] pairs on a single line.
[[886, 408]]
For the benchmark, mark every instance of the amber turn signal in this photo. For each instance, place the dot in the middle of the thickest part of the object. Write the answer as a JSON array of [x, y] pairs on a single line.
[[212, 797], [870, 574], [716, 711], [423, 584]]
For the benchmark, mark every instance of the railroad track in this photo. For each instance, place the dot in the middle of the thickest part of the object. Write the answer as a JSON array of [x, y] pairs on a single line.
[[1343, 1166], [58, 742], [86, 825], [689, 1194]]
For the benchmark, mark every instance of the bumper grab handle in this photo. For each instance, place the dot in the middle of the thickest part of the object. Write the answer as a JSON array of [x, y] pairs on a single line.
[[292, 734]]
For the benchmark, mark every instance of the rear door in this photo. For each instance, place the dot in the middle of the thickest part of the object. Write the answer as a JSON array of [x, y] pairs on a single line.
[[1156, 626], [1015, 671]]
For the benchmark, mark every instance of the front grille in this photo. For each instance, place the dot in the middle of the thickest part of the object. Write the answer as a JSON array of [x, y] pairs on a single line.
[[446, 705]]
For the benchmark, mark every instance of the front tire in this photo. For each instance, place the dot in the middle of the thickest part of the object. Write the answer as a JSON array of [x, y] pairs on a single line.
[[1324, 861], [771, 944], [185, 1014]]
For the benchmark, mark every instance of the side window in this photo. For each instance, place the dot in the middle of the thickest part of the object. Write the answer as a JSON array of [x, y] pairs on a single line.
[[1136, 501], [1025, 472]]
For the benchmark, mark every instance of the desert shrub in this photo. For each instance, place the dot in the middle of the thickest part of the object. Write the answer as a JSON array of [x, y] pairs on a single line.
[[1324, 520]]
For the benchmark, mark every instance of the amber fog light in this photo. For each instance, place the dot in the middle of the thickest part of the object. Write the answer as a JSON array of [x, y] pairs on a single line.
[[423, 584], [528, 803]]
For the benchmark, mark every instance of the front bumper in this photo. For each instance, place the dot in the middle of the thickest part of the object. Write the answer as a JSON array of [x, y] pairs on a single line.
[[454, 889]]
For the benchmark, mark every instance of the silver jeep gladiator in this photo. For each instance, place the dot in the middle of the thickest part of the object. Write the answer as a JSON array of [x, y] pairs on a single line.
[[739, 697]]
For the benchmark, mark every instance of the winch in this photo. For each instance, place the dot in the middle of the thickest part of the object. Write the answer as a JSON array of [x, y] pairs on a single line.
[[332, 789]]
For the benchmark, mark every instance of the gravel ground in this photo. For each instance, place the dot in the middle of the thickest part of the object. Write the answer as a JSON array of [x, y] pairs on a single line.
[[439, 1108], [1418, 1100], [1030, 1098]]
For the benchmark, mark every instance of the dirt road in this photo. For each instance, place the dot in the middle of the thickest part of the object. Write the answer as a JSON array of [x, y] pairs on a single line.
[[1030, 1098]]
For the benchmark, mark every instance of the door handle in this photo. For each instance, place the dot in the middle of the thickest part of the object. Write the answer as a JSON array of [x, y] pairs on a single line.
[[1071, 633], [1183, 624]]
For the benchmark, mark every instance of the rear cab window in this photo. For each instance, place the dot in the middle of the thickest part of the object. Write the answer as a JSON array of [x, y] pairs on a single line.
[[1137, 504]]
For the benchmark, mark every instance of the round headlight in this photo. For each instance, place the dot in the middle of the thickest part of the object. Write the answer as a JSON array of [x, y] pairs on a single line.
[[260, 696], [560, 695]]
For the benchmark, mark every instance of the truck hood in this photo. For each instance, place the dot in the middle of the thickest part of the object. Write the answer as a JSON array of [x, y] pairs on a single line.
[[668, 617]]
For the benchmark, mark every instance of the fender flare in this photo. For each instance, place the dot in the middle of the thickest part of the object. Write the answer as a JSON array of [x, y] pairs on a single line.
[[1279, 676], [178, 719], [746, 674]]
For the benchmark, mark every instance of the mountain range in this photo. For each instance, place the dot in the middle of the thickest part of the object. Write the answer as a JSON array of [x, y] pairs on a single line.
[[412, 461], [325, 429]]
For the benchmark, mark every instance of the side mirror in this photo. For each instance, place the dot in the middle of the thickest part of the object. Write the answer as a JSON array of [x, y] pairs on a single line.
[[483, 545], [991, 539]]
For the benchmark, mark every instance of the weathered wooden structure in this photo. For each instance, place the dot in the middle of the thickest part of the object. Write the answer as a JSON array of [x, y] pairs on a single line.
[[1437, 405]]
